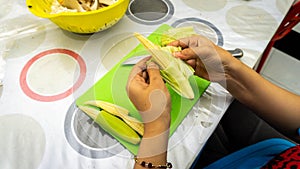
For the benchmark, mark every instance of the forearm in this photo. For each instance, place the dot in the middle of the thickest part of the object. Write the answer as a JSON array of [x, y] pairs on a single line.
[[274, 104], [154, 144], [153, 149]]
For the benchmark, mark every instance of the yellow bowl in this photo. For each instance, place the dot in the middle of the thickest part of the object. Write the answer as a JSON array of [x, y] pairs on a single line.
[[80, 22]]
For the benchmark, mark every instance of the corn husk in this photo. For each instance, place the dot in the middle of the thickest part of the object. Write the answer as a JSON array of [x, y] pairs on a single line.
[[173, 70]]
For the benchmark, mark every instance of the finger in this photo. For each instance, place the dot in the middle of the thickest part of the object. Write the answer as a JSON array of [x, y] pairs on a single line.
[[138, 68], [192, 41], [192, 63], [201, 53], [136, 73], [136, 85], [186, 54], [154, 74], [145, 75], [178, 43]]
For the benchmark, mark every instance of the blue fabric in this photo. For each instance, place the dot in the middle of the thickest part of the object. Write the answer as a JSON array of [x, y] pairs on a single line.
[[253, 156], [299, 131]]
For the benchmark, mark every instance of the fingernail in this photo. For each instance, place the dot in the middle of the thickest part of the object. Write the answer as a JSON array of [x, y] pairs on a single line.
[[152, 65]]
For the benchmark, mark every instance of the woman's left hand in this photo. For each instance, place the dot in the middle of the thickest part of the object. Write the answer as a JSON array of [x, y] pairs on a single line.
[[148, 92]]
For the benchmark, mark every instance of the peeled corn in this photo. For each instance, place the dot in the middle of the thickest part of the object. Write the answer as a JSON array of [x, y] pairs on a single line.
[[115, 120], [119, 112], [115, 126], [173, 70]]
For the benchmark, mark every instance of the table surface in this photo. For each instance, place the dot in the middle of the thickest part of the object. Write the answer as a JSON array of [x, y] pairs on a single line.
[[44, 69]]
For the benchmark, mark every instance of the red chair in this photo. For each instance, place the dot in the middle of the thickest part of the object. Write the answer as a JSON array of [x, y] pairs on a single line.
[[290, 20]]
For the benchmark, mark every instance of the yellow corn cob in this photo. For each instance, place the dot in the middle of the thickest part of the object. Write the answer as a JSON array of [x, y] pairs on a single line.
[[173, 70], [119, 112], [155, 50], [112, 124]]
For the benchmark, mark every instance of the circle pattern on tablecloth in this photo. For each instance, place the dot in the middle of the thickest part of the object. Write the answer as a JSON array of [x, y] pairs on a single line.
[[206, 5], [50, 75], [22, 143], [251, 22], [5, 7], [150, 12], [23, 34], [202, 27], [87, 138], [117, 47]]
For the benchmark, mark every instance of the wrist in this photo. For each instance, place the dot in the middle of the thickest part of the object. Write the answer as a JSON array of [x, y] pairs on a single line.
[[159, 125], [154, 142], [240, 81], [231, 69], [156, 127]]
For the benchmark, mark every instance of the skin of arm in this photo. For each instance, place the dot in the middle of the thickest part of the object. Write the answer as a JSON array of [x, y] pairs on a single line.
[[277, 106], [147, 91]]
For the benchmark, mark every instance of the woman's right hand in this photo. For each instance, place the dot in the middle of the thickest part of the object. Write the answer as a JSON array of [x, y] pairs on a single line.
[[266, 99], [208, 60]]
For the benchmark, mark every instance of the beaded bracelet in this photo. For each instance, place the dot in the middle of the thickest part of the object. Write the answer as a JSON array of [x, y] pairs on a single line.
[[150, 165]]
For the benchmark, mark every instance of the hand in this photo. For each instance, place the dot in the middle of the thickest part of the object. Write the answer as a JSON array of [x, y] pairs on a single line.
[[208, 60], [266, 99], [147, 91]]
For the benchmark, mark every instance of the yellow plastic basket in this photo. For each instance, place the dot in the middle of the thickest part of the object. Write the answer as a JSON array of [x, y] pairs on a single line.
[[80, 22]]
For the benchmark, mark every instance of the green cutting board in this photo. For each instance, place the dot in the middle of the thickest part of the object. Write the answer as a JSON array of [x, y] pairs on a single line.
[[112, 88]]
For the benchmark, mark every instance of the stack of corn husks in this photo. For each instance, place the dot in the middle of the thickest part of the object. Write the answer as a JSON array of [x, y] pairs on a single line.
[[79, 5]]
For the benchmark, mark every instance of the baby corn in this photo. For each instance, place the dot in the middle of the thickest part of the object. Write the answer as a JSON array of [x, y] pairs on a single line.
[[115, 120], [119, 112], [112, 124], [173, 70]]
